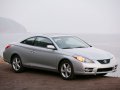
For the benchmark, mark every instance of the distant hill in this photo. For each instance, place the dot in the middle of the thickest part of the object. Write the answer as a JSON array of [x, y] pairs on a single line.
[[10, 26]]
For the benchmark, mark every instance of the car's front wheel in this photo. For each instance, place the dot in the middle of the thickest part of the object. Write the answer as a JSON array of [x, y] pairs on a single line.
[[66, 70], [17, 64]]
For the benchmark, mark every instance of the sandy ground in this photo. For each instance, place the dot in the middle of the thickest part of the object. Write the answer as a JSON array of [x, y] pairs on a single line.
[[33, 79], [1, 60]]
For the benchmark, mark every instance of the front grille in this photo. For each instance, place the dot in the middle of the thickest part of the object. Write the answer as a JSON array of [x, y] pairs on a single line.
[[105, 61], [105, 69]]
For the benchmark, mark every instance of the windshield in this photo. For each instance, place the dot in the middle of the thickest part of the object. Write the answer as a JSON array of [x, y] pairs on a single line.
[[68, 42]]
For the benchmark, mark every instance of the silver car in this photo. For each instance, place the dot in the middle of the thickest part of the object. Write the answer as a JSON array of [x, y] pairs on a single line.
[[68, 55]]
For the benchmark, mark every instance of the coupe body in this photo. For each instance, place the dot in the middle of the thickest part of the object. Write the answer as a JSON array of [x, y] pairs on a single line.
[[68, 55]]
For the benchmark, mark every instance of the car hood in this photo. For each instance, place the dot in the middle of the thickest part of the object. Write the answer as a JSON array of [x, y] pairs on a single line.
[[90, 53]]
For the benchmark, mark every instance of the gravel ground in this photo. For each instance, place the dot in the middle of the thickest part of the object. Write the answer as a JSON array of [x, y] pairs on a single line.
[[33, 79]]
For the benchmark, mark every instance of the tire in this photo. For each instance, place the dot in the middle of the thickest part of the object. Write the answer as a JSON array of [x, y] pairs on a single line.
[[102, 74], [17, 64], [66, 70]]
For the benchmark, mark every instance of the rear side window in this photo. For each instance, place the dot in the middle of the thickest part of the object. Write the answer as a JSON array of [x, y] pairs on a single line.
[[29, 41], [42, 42]]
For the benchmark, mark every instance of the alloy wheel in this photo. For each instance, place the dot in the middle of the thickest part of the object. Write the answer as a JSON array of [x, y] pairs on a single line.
[[17, 64], [66, 70]]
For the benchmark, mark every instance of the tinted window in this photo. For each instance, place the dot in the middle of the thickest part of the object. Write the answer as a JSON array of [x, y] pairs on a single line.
[[42, 42], [29, 41]]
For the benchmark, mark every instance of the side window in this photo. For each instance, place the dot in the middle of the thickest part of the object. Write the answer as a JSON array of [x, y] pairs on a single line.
[[42, 42], [29, 41]]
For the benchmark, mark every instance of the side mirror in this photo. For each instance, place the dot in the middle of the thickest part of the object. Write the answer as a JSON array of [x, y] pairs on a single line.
[[51, 47]]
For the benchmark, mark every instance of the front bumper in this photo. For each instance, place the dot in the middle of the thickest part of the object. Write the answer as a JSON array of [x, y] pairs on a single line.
[[97, 70], [94, 68]]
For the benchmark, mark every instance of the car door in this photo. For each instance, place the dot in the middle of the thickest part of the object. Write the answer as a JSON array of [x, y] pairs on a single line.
[[44, 57], [26, 51]]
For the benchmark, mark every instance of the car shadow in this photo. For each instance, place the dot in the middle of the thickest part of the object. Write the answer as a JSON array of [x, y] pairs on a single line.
[[42, 72], [89, 77], [57, 75]]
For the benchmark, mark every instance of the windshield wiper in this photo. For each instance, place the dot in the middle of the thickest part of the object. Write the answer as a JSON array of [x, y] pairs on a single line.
[[72, 47], [67, 48], [79, 47]]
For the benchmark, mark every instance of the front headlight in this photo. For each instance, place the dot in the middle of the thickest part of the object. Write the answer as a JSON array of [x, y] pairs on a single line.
[[82, 59]]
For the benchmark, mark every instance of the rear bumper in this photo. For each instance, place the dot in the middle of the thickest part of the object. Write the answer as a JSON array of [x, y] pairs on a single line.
[[6, 57]]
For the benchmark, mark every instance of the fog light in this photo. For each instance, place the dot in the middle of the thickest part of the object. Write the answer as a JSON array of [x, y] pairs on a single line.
[[88, 69]]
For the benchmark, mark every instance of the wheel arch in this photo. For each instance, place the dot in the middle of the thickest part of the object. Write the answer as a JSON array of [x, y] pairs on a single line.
[[63, 59], [13, 55]]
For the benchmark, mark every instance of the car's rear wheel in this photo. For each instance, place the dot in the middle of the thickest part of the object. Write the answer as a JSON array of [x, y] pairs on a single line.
[[66, 70], [17, 64]]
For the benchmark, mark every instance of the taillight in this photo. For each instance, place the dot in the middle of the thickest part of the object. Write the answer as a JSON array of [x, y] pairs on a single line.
[[8, 46]]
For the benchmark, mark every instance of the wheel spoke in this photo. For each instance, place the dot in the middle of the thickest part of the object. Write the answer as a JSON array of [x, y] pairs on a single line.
[[16, 60], [68, 66], [66, 74], [69, 70], [15, 66], [64, 66], [14, 63], [18, 65], [62, 70]]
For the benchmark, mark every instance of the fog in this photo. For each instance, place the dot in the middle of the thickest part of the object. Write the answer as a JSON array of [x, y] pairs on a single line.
[[95, 21], [64, 16], [11, 26]]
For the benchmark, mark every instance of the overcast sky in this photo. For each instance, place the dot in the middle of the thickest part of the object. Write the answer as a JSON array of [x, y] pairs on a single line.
[[64, 16]]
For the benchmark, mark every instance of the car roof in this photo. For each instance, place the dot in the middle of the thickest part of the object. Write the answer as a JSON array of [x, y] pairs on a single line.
[[51, 35]]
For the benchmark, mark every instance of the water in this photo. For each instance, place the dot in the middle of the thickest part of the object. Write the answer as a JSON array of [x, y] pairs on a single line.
[[108, 42]]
